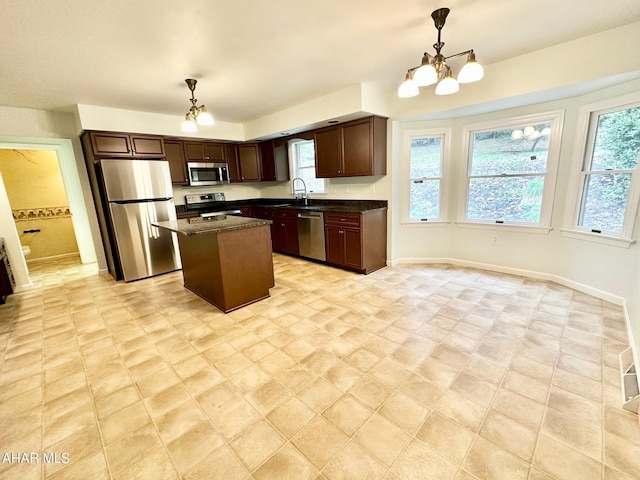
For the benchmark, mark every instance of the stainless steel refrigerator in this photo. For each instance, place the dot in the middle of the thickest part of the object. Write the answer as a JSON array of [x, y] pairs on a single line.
[[139, 193]]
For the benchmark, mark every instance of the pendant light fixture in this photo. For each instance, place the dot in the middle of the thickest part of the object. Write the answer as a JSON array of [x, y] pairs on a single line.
[[434, 68], [197, 115]]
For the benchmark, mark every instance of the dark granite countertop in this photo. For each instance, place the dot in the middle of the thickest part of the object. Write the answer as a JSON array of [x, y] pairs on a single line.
[[198, 225], [338, 206]]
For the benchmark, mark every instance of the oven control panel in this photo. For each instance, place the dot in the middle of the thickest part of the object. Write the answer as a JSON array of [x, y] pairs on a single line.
[[204, 198]]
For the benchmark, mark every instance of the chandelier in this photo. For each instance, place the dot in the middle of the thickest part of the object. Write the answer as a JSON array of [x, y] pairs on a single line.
[[197, 115], [434, 68]]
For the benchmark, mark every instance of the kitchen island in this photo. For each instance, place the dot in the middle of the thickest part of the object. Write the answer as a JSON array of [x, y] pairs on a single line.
[[226, 260]]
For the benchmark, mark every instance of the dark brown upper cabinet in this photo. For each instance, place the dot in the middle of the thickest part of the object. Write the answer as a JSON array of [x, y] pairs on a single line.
[[353, 149], [107, 144], [204, 152], [274, 160], [231, 154], [177, 163], [249, 162]]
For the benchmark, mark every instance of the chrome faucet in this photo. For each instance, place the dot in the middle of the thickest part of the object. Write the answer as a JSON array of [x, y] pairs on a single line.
[[299, 194]]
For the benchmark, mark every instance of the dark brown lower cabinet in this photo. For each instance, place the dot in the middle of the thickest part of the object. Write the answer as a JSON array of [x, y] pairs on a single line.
[[284, 231], [229, 269], [357, 241], [344, 246], [285, 236]]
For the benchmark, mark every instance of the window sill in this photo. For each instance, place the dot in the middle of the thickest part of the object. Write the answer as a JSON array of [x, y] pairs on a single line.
[[508, 227], [597, 238], [418, 224]]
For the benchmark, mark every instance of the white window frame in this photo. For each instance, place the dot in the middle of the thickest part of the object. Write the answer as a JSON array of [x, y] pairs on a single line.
[[294, 146], [583, 148], [409, 135], [556, 118]]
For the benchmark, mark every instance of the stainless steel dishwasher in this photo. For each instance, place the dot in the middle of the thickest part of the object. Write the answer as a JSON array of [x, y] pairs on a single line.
[[311, 235]]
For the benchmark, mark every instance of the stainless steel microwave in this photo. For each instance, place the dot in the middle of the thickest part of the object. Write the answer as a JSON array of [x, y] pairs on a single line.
[[201, 173]]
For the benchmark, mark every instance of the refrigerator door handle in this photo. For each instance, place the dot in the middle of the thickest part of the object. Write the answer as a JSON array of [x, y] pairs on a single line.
[[125, 202]]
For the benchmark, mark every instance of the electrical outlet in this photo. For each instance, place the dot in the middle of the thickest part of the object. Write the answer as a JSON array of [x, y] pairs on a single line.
[[495, 240]]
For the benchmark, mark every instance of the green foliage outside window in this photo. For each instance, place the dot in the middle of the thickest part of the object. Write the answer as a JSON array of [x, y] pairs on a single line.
[[608, 173], [507, 174], [425, 171]]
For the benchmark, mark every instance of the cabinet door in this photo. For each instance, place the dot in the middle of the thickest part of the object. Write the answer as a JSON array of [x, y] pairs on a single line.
[[334, 239], [291, 237], [352, 248], [278, 232], [282, 161], [146, 146], [194, 151], [214, 152], [285, 236], [268, 161], [177, 163], [357, 157], [328, 157], [249, 161], [231, 154], [110, 144]]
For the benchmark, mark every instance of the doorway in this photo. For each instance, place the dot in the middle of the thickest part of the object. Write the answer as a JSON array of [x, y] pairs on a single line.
[[39, 203], [79, 202]]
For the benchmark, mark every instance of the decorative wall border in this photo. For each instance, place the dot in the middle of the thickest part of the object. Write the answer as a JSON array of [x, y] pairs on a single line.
[[41, 213]]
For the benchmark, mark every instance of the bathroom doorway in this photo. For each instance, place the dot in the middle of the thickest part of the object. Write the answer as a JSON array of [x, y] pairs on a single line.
[[39, 203], [76, 186]]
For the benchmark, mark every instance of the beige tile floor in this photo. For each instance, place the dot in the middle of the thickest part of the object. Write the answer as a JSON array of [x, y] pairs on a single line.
[[412, 372]]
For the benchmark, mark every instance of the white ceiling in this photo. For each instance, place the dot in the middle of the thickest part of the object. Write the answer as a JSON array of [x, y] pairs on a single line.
[[255, 57]]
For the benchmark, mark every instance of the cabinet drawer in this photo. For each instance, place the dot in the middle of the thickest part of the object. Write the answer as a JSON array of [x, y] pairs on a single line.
[[282, 213], [261, 212], [344, 219]]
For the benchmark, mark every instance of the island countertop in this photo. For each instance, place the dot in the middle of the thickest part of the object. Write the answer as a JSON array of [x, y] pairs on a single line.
[[199, 225]]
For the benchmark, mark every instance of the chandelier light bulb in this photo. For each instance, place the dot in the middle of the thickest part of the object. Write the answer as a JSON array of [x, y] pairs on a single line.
[[517, 134], [426, 74], [535, 134], [188, 125], [408, 88], [546, 131], [204, 117], [528, 131], [447, 85], [472, 71]]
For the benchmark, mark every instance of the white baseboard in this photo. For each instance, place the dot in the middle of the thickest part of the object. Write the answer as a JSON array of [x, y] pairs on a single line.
[[52, 258]]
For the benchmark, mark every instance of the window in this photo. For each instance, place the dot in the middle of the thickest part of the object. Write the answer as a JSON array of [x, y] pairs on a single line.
[[426, 166], [607, 196], [511, 170], [304, 165]]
